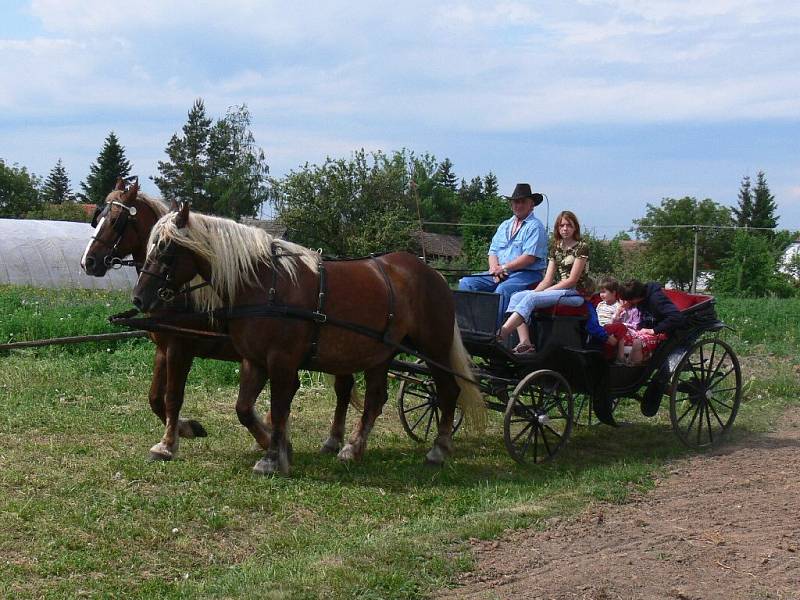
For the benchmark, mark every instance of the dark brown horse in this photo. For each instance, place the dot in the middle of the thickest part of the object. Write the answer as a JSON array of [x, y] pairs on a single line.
[[395, 295], [122, 229]]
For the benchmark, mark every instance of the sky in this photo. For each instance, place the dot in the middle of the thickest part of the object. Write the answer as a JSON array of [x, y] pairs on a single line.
[[603, 105]]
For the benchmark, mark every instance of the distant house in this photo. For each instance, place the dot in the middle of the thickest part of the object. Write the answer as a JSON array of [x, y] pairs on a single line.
[[438, 246], [792, 253], [88, 209], [273, 227]]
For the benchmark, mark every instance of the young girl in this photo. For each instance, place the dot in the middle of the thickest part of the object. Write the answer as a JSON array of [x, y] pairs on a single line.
[[564, 282]]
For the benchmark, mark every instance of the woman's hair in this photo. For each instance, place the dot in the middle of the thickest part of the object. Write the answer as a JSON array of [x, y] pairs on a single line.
[[570, 216], [610, 284], [632, 289]]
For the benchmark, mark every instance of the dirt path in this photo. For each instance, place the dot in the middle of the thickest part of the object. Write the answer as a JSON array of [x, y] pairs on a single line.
[[725, 526]]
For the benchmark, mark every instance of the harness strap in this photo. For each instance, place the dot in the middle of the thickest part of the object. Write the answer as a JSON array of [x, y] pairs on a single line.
[[390, 289], [319, 316]]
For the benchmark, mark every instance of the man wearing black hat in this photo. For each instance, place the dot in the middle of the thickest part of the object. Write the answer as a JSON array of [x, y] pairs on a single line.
[[518, 252]]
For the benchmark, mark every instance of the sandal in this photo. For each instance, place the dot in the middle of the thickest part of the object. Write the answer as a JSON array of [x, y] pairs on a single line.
[[524, 348]]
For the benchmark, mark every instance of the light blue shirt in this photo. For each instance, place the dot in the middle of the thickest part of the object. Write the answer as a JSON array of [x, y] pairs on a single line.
[[530, 239]]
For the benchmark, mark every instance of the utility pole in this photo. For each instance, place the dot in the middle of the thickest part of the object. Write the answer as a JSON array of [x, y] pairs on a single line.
[[419, 218], [694, 262]]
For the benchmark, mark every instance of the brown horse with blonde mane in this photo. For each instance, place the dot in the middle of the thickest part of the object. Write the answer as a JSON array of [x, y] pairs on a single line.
[[122, 228], [254, 277]]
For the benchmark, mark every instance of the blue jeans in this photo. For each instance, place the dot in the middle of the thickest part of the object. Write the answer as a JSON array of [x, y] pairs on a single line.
[[517, 280], [525, 302]]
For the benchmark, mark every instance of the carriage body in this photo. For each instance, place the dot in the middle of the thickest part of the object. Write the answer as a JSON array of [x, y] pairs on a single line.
[[568, 381]]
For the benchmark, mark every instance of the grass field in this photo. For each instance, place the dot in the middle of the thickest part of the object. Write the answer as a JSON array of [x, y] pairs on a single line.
[[84, 514]]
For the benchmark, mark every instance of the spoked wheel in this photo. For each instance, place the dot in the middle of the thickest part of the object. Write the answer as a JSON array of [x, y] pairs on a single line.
[[539, 417], [418, 406], [705, 393], [584, 411]]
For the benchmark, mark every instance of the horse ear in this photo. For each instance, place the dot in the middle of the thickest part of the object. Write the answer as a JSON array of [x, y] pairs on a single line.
[[120, 185], [130, 195], [173, 205], [183, 216]]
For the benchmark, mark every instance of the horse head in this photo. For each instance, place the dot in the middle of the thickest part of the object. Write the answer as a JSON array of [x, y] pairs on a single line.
[[121, 228], [169, 265]]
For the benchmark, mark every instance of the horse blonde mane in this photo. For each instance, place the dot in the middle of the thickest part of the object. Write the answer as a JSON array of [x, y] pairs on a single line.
[[233, 251]]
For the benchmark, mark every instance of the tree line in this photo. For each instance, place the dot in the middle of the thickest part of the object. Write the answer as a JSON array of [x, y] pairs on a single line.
[[375, 201]]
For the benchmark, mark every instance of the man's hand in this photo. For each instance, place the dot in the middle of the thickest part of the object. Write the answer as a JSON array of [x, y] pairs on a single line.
[[648, 331]]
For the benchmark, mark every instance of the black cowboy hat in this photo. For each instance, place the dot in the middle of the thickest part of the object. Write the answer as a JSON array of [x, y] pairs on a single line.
[[523, 190]]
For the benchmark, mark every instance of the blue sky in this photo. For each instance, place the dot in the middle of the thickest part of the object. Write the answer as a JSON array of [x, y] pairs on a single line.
[[605, 105]]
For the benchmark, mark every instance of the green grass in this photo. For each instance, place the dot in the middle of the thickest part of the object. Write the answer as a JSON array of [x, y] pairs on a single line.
[[84, 514]]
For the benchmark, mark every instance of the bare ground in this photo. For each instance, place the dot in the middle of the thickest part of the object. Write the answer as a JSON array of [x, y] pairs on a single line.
[[724, 525]]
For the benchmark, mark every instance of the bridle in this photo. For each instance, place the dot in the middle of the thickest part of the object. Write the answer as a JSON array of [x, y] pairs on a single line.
[[128, 213], [169, 291]]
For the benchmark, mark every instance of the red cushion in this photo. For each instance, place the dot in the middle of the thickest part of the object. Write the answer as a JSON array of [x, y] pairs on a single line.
[[684, 300]]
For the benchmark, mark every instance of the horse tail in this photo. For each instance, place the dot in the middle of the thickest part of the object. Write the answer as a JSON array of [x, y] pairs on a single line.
[[470, 400]]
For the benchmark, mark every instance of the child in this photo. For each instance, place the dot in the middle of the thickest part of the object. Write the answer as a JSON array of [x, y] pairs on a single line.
[[610, 315], [609, 300]]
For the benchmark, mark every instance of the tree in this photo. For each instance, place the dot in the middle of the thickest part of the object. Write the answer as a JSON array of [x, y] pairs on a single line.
[[348, 207], [56, 189], [218, 167], [670, 249], [183, 175], [19, 191], [490, 186], [764, 206], [751, 269], [237, 170], [744, 213], [486, 214], [111, 164], [445, 175], [471, 192]]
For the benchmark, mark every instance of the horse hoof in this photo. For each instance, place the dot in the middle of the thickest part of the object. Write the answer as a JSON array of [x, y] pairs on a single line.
[[435, 456], [266, 466], [348, 454], [160, 453], [330, 446]]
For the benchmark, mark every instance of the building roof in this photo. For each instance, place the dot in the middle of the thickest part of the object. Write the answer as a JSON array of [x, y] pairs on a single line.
[[48, 254], [439, 244], [273, 227]]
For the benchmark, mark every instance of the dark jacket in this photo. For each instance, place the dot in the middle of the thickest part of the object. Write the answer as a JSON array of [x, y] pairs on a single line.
[[664, 316]]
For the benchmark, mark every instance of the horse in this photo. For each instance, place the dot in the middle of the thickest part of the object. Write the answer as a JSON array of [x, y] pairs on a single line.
[[122, 227], [286, 309]]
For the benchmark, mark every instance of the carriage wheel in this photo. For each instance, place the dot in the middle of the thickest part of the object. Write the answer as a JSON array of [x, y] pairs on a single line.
[[418, 406], [538, 418], [705, 393]]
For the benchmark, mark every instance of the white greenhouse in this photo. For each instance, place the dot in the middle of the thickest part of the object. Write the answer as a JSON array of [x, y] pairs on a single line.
[[48, 254]]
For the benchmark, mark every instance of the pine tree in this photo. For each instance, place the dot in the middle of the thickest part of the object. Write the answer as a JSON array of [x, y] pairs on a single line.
[[111, 164], [445, 176], [184, 174], [218, 168], [56, 188], [744, 214], [764, 205], [490, 187]]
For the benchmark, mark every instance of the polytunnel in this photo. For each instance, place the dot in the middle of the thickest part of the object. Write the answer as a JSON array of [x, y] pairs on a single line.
[[48, 254]]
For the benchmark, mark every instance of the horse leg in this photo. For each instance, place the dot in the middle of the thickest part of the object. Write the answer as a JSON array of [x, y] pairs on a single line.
[[187, 428], [252, 379], [447, 389], [343, 387], [374, 399], [283, 387], [178, 364]]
